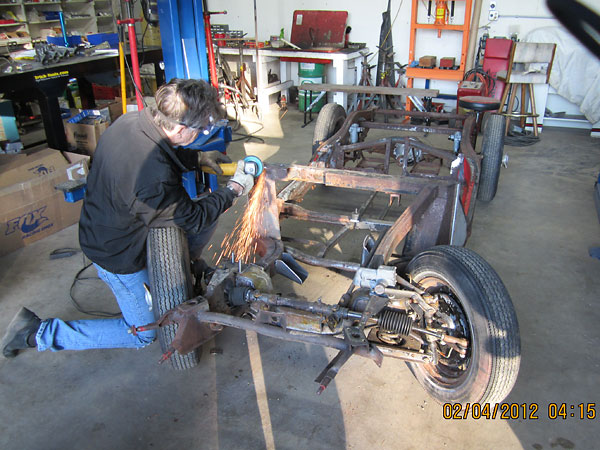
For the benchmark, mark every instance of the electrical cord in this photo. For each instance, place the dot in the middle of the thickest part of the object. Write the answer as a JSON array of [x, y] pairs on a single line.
[[70, 251], [143, 48], [249, 136], [76, 303], [477, 74], [521, 139]]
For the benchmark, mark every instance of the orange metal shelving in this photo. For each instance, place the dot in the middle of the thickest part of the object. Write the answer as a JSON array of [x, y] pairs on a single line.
[[438, 74]]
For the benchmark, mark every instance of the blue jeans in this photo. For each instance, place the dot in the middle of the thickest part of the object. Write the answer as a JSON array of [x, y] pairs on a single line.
[[57, 334]]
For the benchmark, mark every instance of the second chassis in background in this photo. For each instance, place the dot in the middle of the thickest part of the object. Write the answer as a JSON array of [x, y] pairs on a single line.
[[416, 294]]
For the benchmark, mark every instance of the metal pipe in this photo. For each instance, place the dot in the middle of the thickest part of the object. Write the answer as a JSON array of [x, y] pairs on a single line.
[[297, 212], [269, 330], [399, 293], [135, 65], [444, 337], [210, 51], [123, 75], [319, 308], [258, 63], [430, 115], [411, 128], [455, 211], [322, 262], [408, 285]]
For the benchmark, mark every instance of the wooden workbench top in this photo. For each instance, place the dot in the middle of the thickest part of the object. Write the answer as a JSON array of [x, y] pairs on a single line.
[[381, 90]]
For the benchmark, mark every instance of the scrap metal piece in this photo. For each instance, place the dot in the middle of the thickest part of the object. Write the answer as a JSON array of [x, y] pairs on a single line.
[[332, 369], [289, 268], [367, 247], [355, 336], [273, 318]]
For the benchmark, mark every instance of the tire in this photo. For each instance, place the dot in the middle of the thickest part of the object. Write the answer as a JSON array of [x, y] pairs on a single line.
[[486, 317], [329, 121], [491, 151], [170, 285]]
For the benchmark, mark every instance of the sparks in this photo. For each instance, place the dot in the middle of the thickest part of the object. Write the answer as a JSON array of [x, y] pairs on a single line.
[[243, 240]]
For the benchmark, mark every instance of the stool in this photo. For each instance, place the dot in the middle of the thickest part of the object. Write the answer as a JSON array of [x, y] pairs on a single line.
[[479, 104], [530, 63]]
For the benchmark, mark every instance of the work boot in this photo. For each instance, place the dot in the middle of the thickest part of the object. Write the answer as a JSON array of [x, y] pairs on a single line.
[[20, 333]]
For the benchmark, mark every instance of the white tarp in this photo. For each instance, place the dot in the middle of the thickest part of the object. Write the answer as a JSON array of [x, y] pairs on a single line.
[[575, 73]]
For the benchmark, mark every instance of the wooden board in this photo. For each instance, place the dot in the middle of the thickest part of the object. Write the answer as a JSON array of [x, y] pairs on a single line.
[[381, 90]]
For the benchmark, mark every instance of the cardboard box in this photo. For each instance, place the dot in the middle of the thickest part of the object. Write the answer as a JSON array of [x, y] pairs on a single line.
[[30, 207], [115, 109], [84, 137], [23, 167]]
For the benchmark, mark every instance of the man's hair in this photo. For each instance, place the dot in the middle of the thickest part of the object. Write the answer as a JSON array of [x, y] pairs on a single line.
[[193, 103]]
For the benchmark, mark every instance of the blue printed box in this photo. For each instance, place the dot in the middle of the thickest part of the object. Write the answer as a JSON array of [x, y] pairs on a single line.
[[30, 207]]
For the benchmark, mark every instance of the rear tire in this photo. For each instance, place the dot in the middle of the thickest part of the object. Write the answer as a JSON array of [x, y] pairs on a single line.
[[491, 150], [170, 285], [483, 313], [329, 121]]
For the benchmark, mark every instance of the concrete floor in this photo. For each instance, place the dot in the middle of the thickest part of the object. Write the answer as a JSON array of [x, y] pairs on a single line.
[[259, 392]]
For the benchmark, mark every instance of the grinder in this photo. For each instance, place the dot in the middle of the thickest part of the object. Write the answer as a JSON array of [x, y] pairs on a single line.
[[252, 166]]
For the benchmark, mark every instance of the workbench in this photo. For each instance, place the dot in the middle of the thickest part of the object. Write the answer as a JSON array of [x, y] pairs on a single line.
[[47, 83], [342, 68]]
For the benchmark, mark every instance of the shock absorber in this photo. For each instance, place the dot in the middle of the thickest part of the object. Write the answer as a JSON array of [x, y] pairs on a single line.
[[394, 321]]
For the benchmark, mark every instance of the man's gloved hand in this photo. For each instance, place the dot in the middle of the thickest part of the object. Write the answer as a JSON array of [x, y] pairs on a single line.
[[241, 182], [212, 160]]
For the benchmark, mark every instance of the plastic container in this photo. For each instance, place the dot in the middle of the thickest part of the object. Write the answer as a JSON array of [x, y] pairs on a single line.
[[106, 92], [99, 38], [51, 15], [73, 41], [220, 39], [310, 73]]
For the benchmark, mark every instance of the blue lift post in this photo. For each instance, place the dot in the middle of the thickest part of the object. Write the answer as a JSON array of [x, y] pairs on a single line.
[[184, 53]]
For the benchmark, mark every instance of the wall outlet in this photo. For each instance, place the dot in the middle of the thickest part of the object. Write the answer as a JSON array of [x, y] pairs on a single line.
[[493, 11]]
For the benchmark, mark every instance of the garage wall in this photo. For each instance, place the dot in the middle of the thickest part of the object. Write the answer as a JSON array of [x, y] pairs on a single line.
[[515, 16]]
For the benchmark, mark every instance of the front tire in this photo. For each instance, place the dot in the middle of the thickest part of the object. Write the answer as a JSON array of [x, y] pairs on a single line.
[[170, 285], [482, 311]]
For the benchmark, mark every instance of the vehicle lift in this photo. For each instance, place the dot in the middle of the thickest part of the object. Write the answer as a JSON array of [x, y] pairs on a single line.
[[187, 53]]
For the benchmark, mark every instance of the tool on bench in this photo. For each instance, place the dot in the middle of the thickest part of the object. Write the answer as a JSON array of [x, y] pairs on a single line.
[[252, 166]]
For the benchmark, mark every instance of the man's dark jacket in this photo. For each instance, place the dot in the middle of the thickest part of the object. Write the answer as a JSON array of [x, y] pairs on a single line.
[[135, 184]]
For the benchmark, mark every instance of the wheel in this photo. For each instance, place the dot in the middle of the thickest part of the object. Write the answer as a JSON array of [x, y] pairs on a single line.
[[491, 150], [170, 284], [329, 121], [479, 305]]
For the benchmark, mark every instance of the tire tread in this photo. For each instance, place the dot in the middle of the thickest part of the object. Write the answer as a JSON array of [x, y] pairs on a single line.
[[170, 284], [491, 150]]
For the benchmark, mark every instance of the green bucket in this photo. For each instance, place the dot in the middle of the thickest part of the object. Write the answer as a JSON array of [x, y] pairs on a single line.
[[311, 70], [314, 74]]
